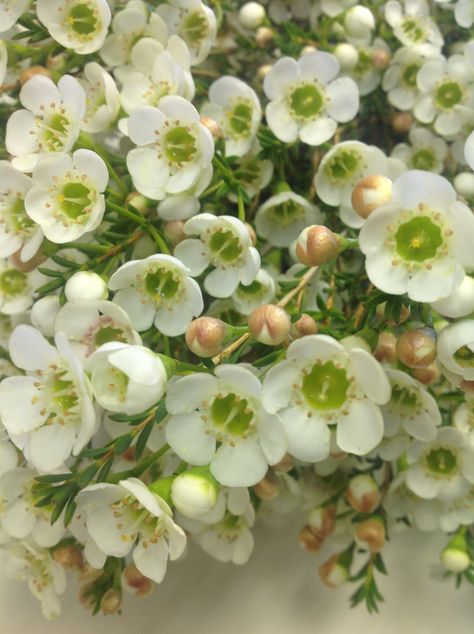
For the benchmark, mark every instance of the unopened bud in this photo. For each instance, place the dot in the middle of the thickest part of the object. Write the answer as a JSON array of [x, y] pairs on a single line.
[[417, 348], [309, 540], [264, 36], [213, 127], [68, 556], [359, 21], [309, 48], [386, 348], [174, 232], [401, 122], [286, 464], [251, 15], [269, 324], [455, 556], [267, 489], [136, 582], [305, 325], [333, 573], [28, 73], [380, 58], [369, 193], [89, 574], [111, 602], [427, 375], [363, 493], [194, 493], [347, 54], [29, 265], [317, 245], [43, 314], [464, 184], [263, 71], [371, 533], [85, 286], [322, 520], [85, 596], [205, 336], [138, 202], [251, 232]]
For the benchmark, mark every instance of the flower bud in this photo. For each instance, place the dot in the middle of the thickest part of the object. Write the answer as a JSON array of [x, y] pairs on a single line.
[[417, 348], [252, 234], [455, 556], [263, 71], [213, 127], [322, 520], [305, 325], [427, 375], [85, 286], [363, 493], [347, 54], [194, 492], [43, 314], [88, 574], [401, 122], [267, 489], [134, 581], [371, 533], [174, 232], [317, 245], [309, 48], [269, 324], [359, 21], [333, 573], [138, 202], [286, 464], [85, 596], [380, 58], [309, 540], [464, 184], [264, 36], [386, 348], [467, 386], [111, 602], [205, 336], [28, 73], [369, 193], [68, 556], [251, 15]]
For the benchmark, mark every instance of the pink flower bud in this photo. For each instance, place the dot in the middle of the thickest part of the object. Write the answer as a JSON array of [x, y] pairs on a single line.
[[205, 336], [269, 324], [363, 493], [417, 348], [371, 533], [317, 245], [369, 193]]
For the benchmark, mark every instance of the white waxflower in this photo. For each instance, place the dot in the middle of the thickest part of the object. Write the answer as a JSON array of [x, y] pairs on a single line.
[[306, 99], [411, 22], [224, 243], [129, 25], [67, 199], [283, 216], [252, 172], [126, 378], [261, 291], [446, 96], [16, 288], [399, 80], [442, 468], [50, 121], [464, 13], [48, 413], [128, 516], [226, 409], [320, 384], [194, 22], [19, 517], [229, 540], [17, 230], [364, 71], [236, 108], [80, 25], [456, 350], [157, 290], [10, 11], [174, 148], [46, 578], [89, 325], [420, 241], [426, 151], [156, 71], [102, 98]]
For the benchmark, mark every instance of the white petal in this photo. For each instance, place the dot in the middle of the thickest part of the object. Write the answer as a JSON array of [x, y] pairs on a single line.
[[308, 436], [50, 446], [241, 465], [318, 131], [187, 394], [343, 97], [370, 376], [186, 435], [222, 282], [384, 274], [281, 122], [361, 429], [152, 560], [278, 386]]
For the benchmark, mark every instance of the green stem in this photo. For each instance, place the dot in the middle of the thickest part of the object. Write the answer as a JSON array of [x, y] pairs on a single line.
[[241, 207], [157, 238]]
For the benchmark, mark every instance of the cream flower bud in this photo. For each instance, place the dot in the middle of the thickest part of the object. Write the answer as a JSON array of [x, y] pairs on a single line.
[[267, 489], [371, 533], [401, 122], [333, 573], [369, 193], [251, 15], [269, 324], [363, 493], [455, 556], [264, 36], [206, 336], [195, 492], [43, 314], [359, 21], [386, 348], [309, 48], [85, 286], [30, 72], [322, 520], [111, 602], [68, 556], [134, 581], [213, 127], [417, 348], [305, 325], [174, 232], [317, 245], [263, 71], [347, 55], [464, 184], [138, 201], [309, 539]]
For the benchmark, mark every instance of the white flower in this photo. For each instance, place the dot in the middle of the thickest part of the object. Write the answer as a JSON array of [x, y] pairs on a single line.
[[66, 199], [126, 378], [194, 22], [443, 468], [419, 242], [226, 409], [460, 303], [159, 291], [16, 288], [128, 516], [223, 243], [306, 99], [48, 413], [464, 13], [364, 72], [46, 578], [102, 98], [412, 23], [261, 291], [282, 217], [19, 517], [77, 24], [446, 94], [236, 108], [456, 350], [252, 172], [322, 384], [89, 325], [10, 11], [426, 151], [50, 121], [174, 148]]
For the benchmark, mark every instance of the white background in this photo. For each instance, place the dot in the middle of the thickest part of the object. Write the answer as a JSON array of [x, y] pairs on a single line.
[[277, 592]]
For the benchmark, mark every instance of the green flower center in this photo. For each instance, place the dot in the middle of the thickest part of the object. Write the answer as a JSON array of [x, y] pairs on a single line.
[[464, 357], [253, 289], [409, 75], [418, 239], [162, 284], [20, 221], [75, 200], [195, 28], [423, 159], [413, 29], [63, 392], [240, 119], [364, 64], [13, 282], [442, 461], [448, 95], [82, 20], [403, 398], [107, 334], [248, 171], [180, 145], [325, 386], [343, 166], [231, 414], [306, 101], [286, 213], [225, 246], [55, 129]]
